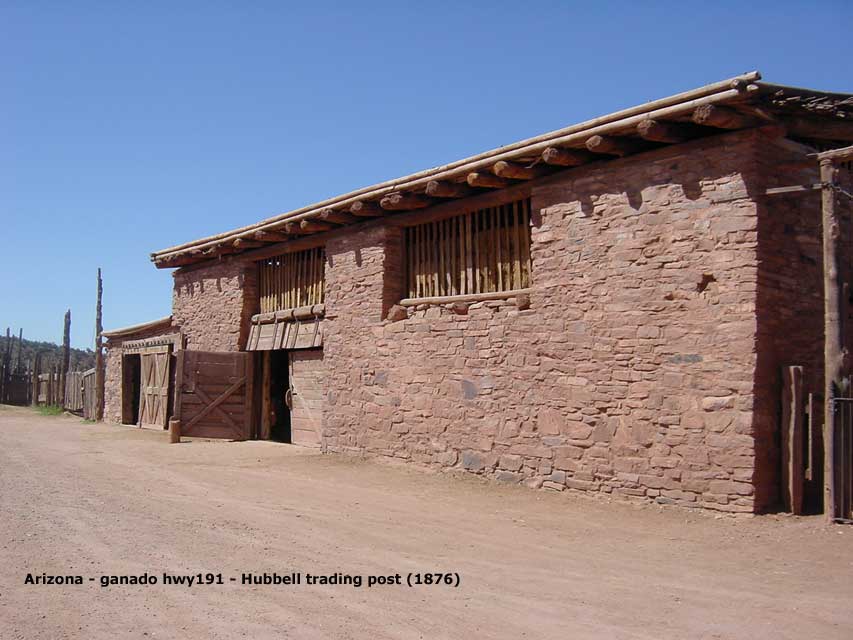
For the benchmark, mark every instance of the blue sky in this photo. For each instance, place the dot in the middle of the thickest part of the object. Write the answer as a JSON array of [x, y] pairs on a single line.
[[127, 127]]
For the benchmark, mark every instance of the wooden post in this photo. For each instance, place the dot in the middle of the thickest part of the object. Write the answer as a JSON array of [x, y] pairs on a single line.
[[833, 331], [49, 396], [35, 379], [20, 349], [4, 366], [266, 403], [99, 355], [792, 438], [174, 430], [66, 357]]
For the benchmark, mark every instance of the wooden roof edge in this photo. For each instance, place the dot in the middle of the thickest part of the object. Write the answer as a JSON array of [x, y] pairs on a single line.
[[389, 185], [727, 91], [138, 328]]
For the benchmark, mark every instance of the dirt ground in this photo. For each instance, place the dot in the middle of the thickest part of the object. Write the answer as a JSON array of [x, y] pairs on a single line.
[[93, 500]]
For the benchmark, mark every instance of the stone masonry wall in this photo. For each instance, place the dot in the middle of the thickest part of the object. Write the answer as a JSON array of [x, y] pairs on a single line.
[[213, 305], [630, 373]]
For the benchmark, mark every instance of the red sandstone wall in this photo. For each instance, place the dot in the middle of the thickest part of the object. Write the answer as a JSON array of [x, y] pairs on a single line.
[[632, 370], [212, 305], [112, 385]]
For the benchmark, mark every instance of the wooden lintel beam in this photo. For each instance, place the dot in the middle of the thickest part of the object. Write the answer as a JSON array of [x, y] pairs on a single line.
[[566, 157], [797, 188], [365, 209], [486, 180], [444, 189], [515, 171], [337, 217], [836, 155], [404, 201], [270, 236], [614, 146], [670, 132], [312, 226], [711, 115]]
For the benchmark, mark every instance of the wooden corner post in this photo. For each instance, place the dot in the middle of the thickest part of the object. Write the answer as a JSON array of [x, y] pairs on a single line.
[[834, 348]]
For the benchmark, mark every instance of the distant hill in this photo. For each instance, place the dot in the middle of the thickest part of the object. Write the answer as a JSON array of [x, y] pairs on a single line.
[[51, 354]]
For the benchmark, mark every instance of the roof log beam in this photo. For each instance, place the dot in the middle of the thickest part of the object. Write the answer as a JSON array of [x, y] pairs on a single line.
[[566, 157], [486, 180], [445, 189], [364, 209], [312, 226], [711, 115], [262, 235], [241, 244], [516, 171], [669, 132], [404, 201], [337, 217], [613, 146]]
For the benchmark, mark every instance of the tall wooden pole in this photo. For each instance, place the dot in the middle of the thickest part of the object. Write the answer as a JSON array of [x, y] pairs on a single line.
[[35, 381], [4, 367], [66, 356], [20, 349], [99, 355], [833, 331]]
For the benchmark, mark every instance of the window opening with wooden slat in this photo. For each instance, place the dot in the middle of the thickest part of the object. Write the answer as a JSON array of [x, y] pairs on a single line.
[[484, 251], [292, 280]]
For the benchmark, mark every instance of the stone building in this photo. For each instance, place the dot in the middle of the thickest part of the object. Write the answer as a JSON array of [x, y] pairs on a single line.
[[606, 308]]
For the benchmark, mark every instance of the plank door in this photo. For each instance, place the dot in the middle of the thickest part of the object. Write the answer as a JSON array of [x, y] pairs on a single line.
[[154, 388], [216, 394], [306, 397]]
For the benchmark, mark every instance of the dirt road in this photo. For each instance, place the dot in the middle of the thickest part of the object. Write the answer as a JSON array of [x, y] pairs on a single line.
[[95, 500]]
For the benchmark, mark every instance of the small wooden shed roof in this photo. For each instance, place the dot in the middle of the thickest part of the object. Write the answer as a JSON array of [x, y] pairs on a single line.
[[741, 102], [136, 329]]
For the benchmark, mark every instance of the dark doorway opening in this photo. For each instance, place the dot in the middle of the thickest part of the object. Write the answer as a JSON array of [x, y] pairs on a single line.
[[131, 374], [279, 386]]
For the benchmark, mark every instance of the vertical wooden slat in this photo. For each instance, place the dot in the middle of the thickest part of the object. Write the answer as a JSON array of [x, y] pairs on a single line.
[[516, 249], [469, 256], [408, 246], [419, 260], [427, 266], [498, 257], [525, 243], [438, 229]]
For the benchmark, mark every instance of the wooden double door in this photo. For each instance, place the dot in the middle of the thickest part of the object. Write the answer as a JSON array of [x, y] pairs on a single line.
[[154, 385], [215, 393]]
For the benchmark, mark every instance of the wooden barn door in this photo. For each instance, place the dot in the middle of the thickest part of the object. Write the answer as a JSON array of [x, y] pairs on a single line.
[[305, 397], [154, 387], [216, 394]]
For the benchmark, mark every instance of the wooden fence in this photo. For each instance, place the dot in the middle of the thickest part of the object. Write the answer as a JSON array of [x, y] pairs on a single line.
[[48, 389], [89, 396], [74, 391]]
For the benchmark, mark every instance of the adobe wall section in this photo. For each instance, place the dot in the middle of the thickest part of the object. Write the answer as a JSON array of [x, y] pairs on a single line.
[[213, 305], [630, 373]]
